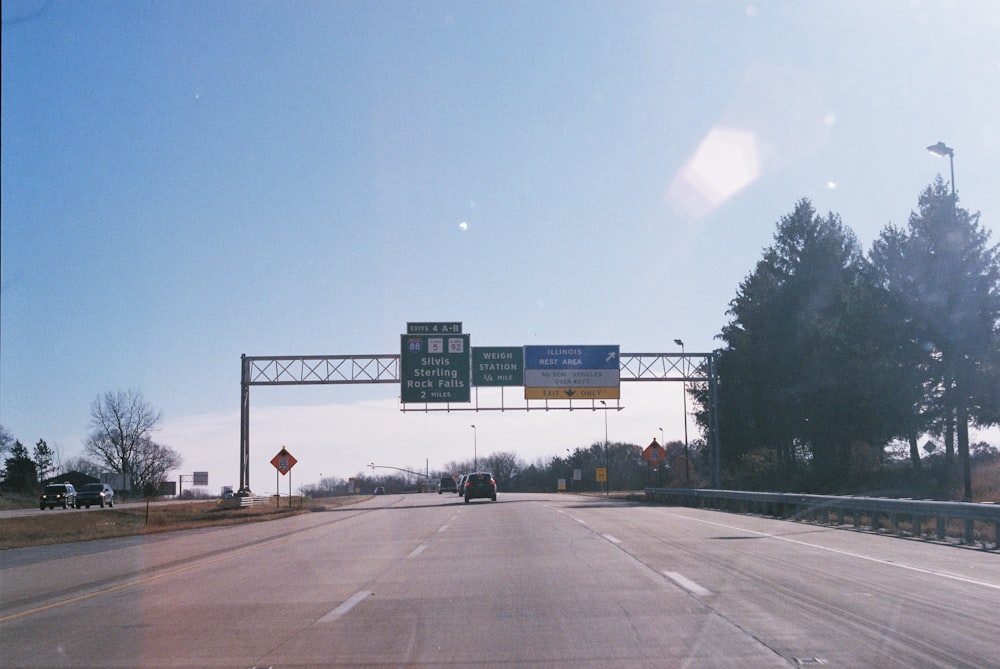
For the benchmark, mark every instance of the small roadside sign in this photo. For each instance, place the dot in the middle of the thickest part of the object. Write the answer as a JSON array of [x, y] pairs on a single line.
[[283, 461], [654, 454]]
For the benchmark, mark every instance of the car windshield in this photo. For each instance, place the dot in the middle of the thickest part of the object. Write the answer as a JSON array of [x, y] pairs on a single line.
[[703, 296]]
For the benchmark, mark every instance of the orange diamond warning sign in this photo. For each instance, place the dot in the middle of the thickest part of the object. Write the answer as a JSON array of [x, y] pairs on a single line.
[[654, 453], [283, 461]]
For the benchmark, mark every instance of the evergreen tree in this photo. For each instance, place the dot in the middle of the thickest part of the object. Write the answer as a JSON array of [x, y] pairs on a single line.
[[22, 474], [944, 278], [44, 459], [795, 377]]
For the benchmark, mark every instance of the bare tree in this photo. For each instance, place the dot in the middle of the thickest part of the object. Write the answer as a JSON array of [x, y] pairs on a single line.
[[82, 465], [152, 463], [6, 441], [121, 421], [504, 466]]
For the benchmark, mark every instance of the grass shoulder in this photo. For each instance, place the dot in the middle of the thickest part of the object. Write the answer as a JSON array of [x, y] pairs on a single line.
[[59, 526]]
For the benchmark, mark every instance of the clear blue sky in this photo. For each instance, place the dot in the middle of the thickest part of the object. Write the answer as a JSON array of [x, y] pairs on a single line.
[[184, 182]]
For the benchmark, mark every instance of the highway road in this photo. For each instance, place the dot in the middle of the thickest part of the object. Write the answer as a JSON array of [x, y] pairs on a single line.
[[528, 581]]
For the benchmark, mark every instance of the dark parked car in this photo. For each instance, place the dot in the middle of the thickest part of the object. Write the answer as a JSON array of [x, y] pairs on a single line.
[[447, 485], [480, 485], [95, 493], [380, 490], [58, 494]]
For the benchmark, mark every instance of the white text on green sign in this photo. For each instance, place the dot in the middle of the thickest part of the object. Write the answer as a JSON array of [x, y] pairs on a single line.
[[497, 366], [434, 368], [434, 328]]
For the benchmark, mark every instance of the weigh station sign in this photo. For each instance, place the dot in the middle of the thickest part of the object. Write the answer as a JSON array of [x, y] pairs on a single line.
[[497, 366], [571, 373], [434, 363]]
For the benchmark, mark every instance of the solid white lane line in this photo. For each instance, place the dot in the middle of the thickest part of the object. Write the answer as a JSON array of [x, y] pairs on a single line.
[[687, 583], [888, 563], [349, 604]]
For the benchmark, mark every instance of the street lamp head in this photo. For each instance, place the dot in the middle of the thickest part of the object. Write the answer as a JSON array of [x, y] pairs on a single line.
[[941, 150], [679, 342]]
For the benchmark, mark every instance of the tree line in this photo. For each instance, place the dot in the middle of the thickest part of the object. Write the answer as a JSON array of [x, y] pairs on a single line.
[[625, 466], [832, 355], [119, 442]]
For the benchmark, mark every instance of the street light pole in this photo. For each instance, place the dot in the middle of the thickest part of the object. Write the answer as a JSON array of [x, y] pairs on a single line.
[[475, 448], [941, 150], [684, 399]]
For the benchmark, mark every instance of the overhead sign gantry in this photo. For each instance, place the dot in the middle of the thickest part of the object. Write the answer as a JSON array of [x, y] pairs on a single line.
[[437, 367]]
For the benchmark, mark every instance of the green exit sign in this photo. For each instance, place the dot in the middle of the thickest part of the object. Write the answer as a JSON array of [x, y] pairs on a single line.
[[434, 368]]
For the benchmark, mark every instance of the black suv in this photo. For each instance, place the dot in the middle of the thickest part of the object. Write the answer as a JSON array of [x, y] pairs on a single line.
[[447, 485], [58, 494], [480, 485], [95, 493]]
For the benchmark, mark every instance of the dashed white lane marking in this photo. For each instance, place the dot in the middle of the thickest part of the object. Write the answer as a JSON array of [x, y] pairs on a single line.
[[611, 539], [442, 528], [687, 584], [417, 551], [349, 604]]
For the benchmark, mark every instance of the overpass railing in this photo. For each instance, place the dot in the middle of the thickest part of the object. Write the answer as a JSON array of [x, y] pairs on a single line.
[[968, 522]]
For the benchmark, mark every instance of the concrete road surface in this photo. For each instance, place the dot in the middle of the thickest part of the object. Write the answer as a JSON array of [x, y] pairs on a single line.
[[528, 581]]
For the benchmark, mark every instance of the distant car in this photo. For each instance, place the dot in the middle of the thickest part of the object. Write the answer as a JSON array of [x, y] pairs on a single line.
[[58, 494], [380, 490], [95, 493], [480, 485], [447, 485]]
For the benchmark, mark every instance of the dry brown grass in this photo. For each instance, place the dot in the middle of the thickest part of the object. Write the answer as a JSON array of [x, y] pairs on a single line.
[[986, 482], [60, 526]]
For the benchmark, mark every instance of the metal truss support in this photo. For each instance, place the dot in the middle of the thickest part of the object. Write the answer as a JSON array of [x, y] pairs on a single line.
[[354, 369]]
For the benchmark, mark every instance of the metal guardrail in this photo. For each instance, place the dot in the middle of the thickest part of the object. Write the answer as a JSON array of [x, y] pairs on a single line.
[[904, 517]]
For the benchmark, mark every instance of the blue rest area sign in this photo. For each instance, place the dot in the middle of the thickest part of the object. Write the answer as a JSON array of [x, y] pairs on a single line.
[[571, 357], [572, 372]]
